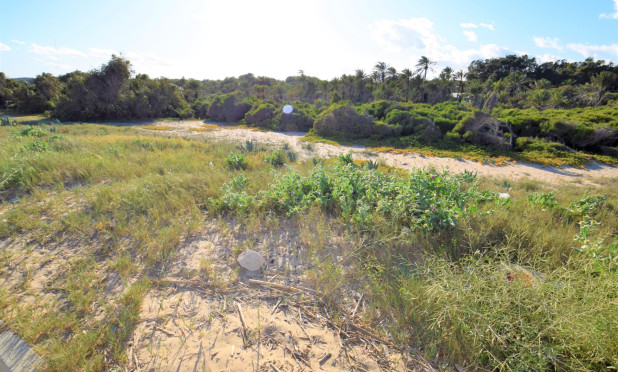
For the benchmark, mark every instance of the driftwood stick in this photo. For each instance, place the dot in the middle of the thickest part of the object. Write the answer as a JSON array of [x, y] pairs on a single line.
[[244, 326], [169, 333], [325, 358], [358, 304], [275, 285]]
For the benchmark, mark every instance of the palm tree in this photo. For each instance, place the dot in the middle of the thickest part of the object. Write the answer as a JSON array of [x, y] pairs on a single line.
[[360, 77], [391, 72], [459, 75], [407, 74], [446, 74], [381, 68], [602, 84], [425, 64]]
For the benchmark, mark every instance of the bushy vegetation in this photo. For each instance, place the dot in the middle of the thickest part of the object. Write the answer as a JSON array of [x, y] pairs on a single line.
[[554, 109], [445, 265]]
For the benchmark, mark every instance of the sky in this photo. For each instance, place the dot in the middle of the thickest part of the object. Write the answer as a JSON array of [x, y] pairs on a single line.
[[206, 39]]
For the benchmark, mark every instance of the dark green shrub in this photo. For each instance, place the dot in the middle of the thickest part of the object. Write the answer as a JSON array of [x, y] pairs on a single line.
[[261, 116], [300, 120], [276, 158], [236, 161], [377, 109], [345, 121], [229, 107]]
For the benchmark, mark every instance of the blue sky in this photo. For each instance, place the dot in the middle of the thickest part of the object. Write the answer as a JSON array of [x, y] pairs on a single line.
[[324, 38]]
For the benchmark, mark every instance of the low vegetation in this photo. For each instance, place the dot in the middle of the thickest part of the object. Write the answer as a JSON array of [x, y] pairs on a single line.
[[447, 264], [554, 113]]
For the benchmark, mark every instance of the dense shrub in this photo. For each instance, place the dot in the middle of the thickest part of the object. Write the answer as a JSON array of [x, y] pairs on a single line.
[[300, 120], [271, 116], [229, 107], [377, 109], [261, 115], [346, 121], [407, 123]]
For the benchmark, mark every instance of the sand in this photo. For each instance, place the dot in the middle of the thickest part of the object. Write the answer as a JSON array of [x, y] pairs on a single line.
[[306, 150]]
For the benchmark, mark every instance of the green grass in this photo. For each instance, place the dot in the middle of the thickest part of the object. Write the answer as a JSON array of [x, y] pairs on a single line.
[[444, 264]]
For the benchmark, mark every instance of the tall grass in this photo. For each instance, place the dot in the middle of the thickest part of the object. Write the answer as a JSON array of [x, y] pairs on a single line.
[[526, 283]]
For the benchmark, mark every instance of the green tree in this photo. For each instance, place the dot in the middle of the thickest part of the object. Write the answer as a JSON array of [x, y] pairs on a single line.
[[381, 68], [406, 75], [425, 64]]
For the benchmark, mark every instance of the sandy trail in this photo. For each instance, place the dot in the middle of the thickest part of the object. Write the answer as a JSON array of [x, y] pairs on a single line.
[[410, 160]]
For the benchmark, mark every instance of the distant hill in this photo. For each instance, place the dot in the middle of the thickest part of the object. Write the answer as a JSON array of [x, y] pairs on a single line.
[[28, 79]]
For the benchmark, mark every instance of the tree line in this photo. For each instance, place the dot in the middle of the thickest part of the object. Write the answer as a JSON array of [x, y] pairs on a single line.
[[114, 91]]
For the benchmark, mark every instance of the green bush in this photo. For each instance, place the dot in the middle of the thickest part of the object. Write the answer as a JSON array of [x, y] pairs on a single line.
[[236, 161], [230, 107], [276, 158], [345, 121], [261, 115]]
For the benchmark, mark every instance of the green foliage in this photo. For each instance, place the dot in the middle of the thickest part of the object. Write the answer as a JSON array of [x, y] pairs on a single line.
[[345, 121], [346, 158], [545, 200], [588, 205], [5, 121], [230, 107], [363, 196], [250, 146], [236, 161], [276, 158], [604, 257]]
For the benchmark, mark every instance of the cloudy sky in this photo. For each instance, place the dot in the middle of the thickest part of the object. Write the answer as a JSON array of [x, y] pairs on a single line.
[[277, 38]]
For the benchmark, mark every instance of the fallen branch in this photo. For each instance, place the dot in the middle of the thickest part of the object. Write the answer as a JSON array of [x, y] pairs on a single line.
[[245, 339], [275, 285]]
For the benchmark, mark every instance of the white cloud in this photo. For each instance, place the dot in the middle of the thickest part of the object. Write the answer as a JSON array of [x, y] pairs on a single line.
[[611, 15], [594, 50], [414, 33], [101, 53], [547, 42], [488, 26], [4, 48], [548, 58], [149, 63], [416, 37], [471, 36], [18, 42], [50, 51]]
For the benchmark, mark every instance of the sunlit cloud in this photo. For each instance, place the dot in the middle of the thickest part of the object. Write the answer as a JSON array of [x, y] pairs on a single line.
[[595, 51], [101, 53], [51, 51], [471, 36], [416, 37], [611, 15], [548, 58], [4, 48], [547, 42], [18, 42], [488, 26]]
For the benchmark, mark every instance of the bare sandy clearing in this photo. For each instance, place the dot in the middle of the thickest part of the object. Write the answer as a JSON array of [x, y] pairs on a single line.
[[191, 319], [306, 150]]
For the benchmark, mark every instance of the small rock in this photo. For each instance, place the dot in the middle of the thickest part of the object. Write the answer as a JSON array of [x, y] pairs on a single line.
[[504, 195], [251, 260]]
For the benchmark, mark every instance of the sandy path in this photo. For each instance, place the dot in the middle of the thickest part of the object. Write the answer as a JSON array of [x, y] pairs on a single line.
[[306, 150]]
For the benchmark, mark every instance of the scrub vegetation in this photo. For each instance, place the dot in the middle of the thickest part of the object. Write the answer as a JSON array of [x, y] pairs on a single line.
[[554, 113], [447, 265]]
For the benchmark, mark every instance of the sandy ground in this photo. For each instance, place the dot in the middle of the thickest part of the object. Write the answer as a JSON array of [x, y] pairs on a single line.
[[198, 321], [306, 150]]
